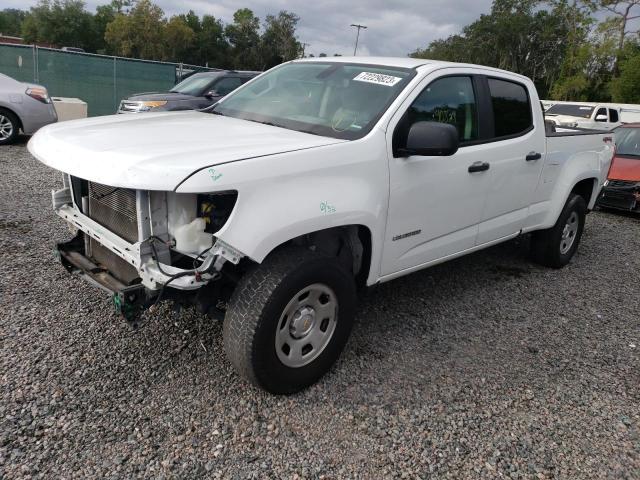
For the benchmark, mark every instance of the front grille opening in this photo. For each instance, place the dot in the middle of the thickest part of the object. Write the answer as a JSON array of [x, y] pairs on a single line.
[[115, 209]]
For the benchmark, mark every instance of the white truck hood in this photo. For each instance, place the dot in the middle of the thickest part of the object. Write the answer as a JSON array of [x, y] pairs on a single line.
[[156, 151]]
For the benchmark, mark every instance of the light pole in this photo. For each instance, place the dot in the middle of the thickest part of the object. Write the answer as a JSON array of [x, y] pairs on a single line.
[[358, 26], [304, 47]]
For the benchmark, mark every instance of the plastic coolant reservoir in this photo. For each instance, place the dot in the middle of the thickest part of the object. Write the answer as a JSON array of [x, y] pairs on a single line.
[[191, 238]]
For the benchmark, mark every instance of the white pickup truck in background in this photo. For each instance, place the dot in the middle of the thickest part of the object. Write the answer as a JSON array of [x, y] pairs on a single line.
[[599, 116], [311, 180]]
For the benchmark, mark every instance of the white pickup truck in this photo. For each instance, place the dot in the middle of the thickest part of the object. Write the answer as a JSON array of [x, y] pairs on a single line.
[[599, 116], [311, 180]]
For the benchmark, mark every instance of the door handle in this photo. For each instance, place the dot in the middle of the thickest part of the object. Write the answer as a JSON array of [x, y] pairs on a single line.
[[532, 156], [478, 167]]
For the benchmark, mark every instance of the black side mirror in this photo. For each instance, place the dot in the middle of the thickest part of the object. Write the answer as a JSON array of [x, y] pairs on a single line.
[[211, 94], [431, 139]]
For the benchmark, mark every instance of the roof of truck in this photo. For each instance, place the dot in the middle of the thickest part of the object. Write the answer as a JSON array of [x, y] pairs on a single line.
[[401, 62]]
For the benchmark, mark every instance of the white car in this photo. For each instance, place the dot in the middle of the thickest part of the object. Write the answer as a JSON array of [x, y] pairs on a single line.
[[311, 180], [603, 116]]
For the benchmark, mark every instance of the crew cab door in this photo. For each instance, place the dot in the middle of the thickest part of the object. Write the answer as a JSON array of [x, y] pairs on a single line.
[[515, 147], [435, 202]]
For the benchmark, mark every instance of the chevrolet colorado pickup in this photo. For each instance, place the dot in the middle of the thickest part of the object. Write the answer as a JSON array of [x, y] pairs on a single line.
[[311, 180]]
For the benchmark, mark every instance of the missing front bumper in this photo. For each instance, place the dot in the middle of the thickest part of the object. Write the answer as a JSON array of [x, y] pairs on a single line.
[[129, 300]]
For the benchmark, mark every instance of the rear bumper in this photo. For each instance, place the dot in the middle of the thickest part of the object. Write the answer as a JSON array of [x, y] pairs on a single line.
[[37, 116]]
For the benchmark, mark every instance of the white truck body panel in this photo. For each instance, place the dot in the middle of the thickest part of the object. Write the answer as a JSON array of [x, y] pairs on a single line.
[[291, 183], [159, 150]]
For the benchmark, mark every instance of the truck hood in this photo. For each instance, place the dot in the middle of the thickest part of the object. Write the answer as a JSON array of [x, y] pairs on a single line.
[[625, 168], [156, 151]]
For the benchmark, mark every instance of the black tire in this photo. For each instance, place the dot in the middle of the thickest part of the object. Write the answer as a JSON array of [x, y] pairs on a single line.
[[7, 116], [254, 315], [548, 247]]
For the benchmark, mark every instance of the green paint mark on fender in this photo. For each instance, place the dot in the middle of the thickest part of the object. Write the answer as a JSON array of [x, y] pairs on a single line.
[[215, 176], [325, 207]]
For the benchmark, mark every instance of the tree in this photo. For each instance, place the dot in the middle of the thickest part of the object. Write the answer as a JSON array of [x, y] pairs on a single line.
[[213, 45], [11, 21], [624, 89], [178, 39], [623, 12], [279, 43], [516, 35], [244, 36], [139, 34], [60, 22], [105, 14]]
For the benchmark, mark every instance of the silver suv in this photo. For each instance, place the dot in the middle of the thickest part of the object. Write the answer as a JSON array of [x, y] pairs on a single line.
[[23, 106]]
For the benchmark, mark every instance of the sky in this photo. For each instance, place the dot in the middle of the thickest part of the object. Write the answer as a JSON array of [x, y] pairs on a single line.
[[394, 27]]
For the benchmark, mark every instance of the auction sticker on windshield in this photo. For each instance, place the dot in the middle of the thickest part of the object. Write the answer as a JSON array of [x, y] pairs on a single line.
[[377, 78]]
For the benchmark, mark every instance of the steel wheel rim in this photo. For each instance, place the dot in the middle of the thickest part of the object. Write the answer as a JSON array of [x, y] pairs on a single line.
[[6, 127], [569, 233], [306, 325]]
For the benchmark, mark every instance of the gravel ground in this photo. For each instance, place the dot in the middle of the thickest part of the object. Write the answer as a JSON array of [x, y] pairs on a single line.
[[485, 367]]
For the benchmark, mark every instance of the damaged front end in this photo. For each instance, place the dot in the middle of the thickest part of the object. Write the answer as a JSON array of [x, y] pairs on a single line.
[[147, 246], [620, 195]]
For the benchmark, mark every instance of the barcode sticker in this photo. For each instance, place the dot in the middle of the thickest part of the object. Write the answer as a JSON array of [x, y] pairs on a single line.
[[377, 78]]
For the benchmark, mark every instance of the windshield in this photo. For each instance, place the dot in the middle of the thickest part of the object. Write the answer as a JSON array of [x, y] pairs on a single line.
[[628, 141], [336, 100], [582, 111], [194, 85]]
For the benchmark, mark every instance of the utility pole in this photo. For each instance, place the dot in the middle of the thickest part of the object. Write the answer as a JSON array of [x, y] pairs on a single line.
[[358, 26], [304, 46]]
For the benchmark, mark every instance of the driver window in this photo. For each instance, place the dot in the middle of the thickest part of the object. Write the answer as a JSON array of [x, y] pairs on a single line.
[[227, 85], [448, 100], [601, 111]]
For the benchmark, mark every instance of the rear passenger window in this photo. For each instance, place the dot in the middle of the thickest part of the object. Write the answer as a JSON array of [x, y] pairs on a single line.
[[613, 115], [511, 107], [448, 100]]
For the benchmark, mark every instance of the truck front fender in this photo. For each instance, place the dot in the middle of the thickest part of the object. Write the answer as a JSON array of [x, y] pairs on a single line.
[[285, 196]]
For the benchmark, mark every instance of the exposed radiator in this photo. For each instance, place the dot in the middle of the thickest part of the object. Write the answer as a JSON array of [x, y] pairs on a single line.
[[115, 209]]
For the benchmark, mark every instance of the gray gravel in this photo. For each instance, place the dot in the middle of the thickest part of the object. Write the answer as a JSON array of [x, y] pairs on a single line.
[[485, 367]]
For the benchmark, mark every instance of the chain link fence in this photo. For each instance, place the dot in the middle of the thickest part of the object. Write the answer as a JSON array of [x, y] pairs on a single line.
[[99, 80]]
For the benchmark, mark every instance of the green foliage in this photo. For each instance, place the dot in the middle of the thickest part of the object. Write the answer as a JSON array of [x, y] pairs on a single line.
[[279, 43], [138, 34], [626, 87], [60, 22], [139, 29], [11, 21], [244, 36], [559, 44]]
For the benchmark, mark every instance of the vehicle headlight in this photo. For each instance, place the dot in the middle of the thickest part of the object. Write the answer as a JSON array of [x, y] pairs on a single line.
[[148, 105]]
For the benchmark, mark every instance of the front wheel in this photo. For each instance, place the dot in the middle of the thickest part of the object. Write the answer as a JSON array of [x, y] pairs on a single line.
[[289, 319], [556, 246]]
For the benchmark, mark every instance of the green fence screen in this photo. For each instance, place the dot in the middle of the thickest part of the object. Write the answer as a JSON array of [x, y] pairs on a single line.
[[101, 81]]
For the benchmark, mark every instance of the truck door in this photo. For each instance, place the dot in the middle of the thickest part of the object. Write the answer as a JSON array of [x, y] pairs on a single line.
[[516, 148], [435, 202]]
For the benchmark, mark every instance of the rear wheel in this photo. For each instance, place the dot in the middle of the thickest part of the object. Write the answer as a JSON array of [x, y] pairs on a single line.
[[9, 127], [556, 246], [289, 319]]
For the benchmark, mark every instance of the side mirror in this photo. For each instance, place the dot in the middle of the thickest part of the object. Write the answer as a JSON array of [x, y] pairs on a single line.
[[601, 118], [431, 139], [211, 94]]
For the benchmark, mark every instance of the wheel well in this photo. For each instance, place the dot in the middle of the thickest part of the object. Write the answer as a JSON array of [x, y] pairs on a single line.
[[350, 243], [14, 114], [584, 188]]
